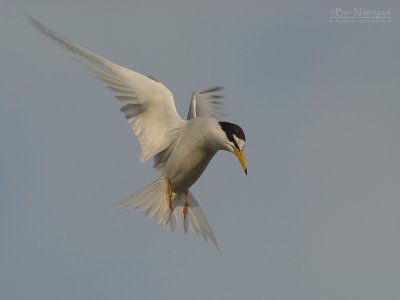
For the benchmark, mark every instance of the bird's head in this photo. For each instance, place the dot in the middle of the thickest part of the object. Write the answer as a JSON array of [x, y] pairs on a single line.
[[234, 141]]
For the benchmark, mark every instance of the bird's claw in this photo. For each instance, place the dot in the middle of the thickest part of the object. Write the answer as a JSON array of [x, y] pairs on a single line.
[[186, 207], [170, 194]]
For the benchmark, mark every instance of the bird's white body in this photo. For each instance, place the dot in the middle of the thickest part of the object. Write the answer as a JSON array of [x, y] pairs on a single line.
[[192, 154], [181, 149]]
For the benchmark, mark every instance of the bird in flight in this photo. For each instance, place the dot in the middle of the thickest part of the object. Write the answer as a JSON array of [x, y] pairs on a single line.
[[181, 149]]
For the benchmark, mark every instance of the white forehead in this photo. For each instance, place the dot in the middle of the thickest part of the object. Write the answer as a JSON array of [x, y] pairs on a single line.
[[241, 143]]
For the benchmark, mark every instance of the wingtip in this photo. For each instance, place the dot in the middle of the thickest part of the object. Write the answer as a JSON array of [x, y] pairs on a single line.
[[34, 22], [211, 90], [216, 246]]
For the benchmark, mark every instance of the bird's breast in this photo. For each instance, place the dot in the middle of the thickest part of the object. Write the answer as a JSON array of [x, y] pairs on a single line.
[[186, 163]]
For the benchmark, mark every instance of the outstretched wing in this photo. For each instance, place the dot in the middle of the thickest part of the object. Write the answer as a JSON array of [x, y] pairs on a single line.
[[147, 104], [206, 104]]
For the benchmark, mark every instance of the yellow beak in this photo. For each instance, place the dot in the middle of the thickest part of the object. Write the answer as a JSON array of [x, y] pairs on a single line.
[[240, 155]]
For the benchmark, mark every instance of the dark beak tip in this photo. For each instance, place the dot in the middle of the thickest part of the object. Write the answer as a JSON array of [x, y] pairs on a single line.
[[245, 171]]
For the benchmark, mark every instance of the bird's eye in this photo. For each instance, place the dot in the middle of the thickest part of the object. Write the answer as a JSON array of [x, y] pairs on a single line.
[[236, 145], [239, 143]]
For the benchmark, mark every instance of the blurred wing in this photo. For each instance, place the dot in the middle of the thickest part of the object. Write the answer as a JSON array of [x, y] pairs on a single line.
[[206, 104], [148, 105]]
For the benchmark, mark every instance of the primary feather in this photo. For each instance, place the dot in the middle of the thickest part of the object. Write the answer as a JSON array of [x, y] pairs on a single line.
[[206, 104]]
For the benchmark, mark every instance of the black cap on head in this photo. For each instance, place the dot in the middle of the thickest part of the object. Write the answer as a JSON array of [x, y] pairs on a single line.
[[231, 130]]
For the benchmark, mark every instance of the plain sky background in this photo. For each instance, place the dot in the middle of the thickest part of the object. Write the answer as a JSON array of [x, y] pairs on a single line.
[[318, 216]]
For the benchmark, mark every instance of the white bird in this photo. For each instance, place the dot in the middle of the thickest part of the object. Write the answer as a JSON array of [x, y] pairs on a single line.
[[181, 148]]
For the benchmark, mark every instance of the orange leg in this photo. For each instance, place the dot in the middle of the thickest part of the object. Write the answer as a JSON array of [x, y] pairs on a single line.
[[170, 194], [186, 207]]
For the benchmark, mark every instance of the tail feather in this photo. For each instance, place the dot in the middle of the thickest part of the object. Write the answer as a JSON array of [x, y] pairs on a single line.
[[153, 200], [143, 198], [196, 220]]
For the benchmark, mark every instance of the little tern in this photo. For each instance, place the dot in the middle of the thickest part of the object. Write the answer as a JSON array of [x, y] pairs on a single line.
[[181, 149]]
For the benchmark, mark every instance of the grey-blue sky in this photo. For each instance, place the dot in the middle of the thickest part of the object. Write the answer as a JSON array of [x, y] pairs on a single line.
[[317, 217]]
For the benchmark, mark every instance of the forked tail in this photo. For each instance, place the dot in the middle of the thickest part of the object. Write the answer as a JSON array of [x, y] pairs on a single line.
[[153, 200]]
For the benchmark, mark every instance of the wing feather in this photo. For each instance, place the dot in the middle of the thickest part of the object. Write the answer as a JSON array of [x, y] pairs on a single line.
[[149, 105], [206, 104]]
